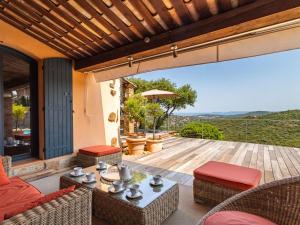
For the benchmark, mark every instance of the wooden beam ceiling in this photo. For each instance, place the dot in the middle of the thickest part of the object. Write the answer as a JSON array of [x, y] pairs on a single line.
[[231, 18], [101, 31]]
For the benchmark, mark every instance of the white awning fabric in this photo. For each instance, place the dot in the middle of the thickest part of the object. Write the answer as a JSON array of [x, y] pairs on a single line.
[[258, 45]]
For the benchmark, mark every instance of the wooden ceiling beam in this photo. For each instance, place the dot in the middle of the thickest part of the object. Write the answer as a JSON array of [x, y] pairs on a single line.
[[115, 19], [91, 10], [224, 5], [19, 26], [202, 8], [257, 10], [27, 17], [39, 33], [99, 47], [111, 42], [182, 11], [131, 17], [139, 5], [54, 27], [84, 42], [163, 12]]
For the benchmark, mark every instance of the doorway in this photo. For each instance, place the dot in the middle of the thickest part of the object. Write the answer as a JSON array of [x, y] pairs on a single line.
[[19, 104]]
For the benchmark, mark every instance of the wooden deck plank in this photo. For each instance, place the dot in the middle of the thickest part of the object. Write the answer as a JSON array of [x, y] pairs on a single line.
[[181, 156]]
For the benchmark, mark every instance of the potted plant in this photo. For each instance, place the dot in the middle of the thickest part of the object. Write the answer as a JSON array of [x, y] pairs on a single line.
[[135, 109], [154, 111], [19, 113]]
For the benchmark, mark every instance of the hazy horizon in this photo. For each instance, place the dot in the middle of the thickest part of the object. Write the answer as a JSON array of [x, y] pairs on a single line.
[[263, 83]]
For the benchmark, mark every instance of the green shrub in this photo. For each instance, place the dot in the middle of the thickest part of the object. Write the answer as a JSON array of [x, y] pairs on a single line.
[[201, 130]]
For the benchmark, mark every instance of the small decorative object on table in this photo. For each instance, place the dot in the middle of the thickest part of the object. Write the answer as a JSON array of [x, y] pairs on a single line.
[[77, 172], [89, 178], [134, 191], [116, 187], [156, 181], [101, 165]]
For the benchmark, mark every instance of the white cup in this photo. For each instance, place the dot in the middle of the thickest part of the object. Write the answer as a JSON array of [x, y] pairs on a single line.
[[117, 185], [77, 171], [157, 179], [134, 189], [101, 164], [90, 176]]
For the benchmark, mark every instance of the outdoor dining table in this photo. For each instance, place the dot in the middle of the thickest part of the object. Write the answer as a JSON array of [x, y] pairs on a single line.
[[155, 205]]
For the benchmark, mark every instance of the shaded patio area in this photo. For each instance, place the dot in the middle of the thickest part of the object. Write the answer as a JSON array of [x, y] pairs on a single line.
[[181, 156]]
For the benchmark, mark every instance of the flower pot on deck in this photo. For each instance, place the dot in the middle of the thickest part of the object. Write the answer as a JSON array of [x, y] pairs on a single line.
[[154, 145], [136, 145]]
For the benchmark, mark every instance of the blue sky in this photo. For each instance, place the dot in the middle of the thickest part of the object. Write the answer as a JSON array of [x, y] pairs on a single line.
[[269, 82]]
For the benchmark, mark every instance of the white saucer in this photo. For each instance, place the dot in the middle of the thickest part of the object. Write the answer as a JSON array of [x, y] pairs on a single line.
[[86, 181], [156, 184], [138, 194], [111, 189], [74, 175], [103, 168]]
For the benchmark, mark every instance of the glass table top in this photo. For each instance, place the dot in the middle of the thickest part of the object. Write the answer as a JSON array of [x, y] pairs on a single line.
[[150, 192]]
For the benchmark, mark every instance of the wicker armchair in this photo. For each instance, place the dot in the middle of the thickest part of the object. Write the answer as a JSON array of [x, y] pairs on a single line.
[[278, 201], [74, 208]]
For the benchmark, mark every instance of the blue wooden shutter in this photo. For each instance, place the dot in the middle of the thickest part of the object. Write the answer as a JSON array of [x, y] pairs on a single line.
[[58, 107]]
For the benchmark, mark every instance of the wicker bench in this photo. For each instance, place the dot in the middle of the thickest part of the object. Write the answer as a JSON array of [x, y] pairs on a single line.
[[90, 156], [215, 182], [74, 208]]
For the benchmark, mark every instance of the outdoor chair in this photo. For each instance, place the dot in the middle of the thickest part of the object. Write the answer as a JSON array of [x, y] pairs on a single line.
[[90, 156], [214, 182], [278, 202]]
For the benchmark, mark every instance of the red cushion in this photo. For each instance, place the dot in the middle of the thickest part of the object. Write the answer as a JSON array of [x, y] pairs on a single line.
[[39, 201], [99, 150], [236, 218], [232, 176], [16, 194], [3, 177]]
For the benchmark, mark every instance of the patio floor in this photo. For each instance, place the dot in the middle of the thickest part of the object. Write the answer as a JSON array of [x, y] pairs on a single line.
[[181, 156]]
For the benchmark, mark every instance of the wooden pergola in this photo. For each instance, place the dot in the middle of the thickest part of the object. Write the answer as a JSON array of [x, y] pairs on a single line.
[[103, 32]]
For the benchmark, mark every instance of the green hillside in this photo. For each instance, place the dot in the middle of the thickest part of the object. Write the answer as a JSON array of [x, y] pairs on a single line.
[[280, 128]]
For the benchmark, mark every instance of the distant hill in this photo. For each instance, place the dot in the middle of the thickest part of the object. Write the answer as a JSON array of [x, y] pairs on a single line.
[[285, 115], [274, 128], [226, 114]]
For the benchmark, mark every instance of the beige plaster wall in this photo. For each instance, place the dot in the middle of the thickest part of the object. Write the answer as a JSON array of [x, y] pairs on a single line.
[[88, 123], [110, 104]]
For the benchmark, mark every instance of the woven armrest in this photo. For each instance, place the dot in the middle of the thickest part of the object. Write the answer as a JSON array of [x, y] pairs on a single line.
[[6, 160], [278, 201], [74, 208]]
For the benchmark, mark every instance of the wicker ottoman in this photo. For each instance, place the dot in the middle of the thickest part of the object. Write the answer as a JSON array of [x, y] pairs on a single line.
[[90, 156], [214, 182]]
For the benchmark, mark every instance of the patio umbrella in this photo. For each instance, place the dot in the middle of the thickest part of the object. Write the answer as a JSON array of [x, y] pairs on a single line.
[[156, 94]]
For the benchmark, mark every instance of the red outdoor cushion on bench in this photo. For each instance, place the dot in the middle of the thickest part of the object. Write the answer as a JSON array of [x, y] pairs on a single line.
[[232, 176], [16, 194], [39, 201], [99, 150], [236, 218]]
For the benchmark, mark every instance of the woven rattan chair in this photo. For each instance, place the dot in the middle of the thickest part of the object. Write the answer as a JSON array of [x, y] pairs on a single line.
[[74, 208], [278, 201]]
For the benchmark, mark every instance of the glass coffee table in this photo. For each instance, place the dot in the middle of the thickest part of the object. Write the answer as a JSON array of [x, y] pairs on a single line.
[[155, 205]]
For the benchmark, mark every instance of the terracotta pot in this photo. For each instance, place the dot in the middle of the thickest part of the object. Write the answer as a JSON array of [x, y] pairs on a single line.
[[154, 145], [136, 146]]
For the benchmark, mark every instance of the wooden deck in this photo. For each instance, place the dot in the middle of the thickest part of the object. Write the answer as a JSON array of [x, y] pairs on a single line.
[[181, 156]]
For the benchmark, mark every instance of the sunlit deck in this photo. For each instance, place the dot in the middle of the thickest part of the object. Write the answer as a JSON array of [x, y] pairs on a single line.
[[181, 156]]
